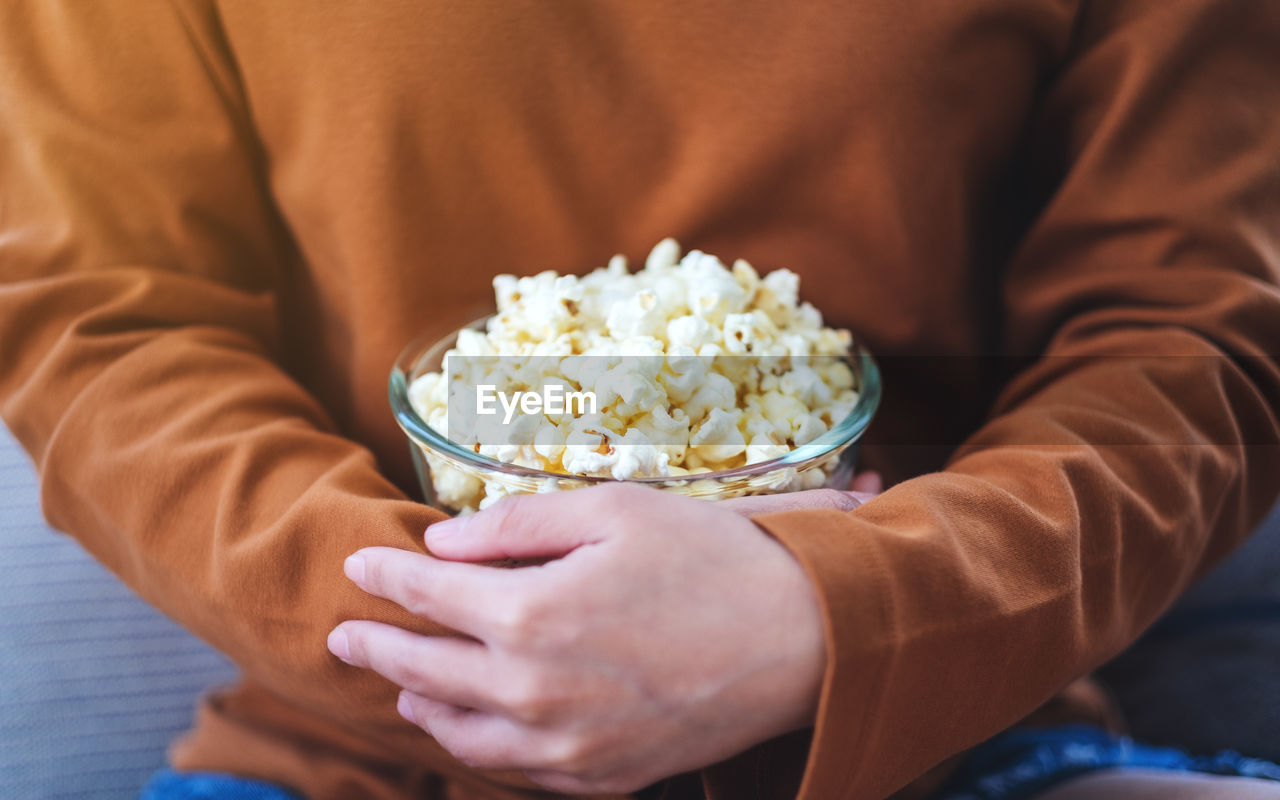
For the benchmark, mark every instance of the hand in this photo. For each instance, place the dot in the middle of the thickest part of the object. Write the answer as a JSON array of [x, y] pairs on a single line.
[[668, 634], [864, 487]]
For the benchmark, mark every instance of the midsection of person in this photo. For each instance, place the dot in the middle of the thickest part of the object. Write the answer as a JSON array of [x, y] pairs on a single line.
[[412, 151], [417, 151]]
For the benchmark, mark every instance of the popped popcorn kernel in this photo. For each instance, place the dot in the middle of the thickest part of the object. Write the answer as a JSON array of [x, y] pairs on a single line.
[[666, 346]]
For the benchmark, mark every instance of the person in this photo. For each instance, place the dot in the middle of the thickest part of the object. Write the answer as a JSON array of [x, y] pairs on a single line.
[[1054, 222]]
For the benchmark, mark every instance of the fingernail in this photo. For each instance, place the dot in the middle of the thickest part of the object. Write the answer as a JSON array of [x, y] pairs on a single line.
[[449, 527], [354, 567], [405, 708], [339, 645]]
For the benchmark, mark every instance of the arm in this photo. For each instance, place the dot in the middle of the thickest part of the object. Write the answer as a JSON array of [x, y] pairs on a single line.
[[138, 249], [1137, 451]]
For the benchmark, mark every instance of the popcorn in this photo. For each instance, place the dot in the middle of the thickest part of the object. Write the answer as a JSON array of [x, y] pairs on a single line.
[[711, 290], [745, 333], [765, 447], [691, 332], [696, 368], [714, 391], [639, 315], [778, 294], [718, 438]]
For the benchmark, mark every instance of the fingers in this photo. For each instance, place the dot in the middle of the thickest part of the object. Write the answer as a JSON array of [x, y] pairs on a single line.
[[450, 670], [532, 526], [464, 597], [865, 486], [488, 741], [478, 739], [796, 501]]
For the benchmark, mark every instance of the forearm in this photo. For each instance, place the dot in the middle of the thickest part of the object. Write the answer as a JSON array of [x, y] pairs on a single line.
[[138, 253], [1138, 447], [194, 468], [958, 602]]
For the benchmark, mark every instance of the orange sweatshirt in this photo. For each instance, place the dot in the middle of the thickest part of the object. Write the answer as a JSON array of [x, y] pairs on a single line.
[[1057, 222]]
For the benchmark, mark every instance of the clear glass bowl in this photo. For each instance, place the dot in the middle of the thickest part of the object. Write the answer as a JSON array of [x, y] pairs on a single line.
[[446, 468]]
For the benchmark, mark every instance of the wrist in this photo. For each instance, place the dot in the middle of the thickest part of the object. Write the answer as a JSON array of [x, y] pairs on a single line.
[[804, 646]]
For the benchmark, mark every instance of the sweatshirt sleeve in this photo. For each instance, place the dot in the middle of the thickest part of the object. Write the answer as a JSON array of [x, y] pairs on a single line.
[[138, 258], [1140, 444]]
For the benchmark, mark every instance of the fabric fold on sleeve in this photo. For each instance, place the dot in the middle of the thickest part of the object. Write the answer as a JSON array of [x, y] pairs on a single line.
[[139, 256], [1138, 447]]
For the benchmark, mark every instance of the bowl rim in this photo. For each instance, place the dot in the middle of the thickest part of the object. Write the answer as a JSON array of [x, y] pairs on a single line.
[[407, 367]]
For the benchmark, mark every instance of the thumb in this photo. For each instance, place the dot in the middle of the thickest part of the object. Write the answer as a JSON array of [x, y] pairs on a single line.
[[519, 526]]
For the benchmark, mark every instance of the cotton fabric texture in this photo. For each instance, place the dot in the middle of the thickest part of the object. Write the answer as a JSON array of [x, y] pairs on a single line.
[[219, 223]]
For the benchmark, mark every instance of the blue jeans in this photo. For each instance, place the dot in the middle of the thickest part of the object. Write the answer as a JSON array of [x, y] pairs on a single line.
[[169, 785], [1016, 765], [1022, 762]]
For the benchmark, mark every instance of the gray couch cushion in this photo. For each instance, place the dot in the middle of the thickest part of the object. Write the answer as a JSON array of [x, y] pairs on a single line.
[[1207, 676], [94, 683]]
